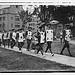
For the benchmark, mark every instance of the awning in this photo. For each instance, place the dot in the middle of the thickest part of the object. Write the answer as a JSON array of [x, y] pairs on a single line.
[[42, 24], [70, 24], [54, 22]]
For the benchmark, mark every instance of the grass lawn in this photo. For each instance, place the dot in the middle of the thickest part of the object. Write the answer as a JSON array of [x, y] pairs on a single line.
[[57, 47], [13, 61]]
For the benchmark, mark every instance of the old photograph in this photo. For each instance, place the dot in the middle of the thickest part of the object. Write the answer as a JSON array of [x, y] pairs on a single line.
[[37, 38]]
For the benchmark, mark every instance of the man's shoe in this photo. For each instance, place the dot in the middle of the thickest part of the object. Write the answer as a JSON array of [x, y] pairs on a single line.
[[61, 53], [52, 54], [70, 55], [12, 47]]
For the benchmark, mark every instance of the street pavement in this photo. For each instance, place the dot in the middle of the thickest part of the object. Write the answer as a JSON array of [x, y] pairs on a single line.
[[62, 59], [71, 42]]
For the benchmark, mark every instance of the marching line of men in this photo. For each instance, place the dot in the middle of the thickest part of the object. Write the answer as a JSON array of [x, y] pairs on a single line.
[[39, 39]]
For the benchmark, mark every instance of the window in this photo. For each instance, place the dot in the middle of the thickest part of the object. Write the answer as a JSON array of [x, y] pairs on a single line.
[[16, 6], [26, 26], [37, 26], [17, 19], [29, 24], [3, 18], [3, 24], [32, 19], [0, 18], [17, 26], [11, 25], [4, 11], [33, 28], [33, 24], [0, 25], [11, 18]]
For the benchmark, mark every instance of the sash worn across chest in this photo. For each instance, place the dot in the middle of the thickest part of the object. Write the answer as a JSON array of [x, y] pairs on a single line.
[[49, 35], [21, 38], [67, 36], [42, 37], [29, 35]]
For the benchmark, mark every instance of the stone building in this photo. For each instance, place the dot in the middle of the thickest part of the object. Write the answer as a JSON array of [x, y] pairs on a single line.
[[9, 18], [34, 24]]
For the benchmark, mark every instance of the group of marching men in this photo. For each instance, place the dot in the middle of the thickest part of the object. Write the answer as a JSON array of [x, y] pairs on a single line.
[[38, 39]]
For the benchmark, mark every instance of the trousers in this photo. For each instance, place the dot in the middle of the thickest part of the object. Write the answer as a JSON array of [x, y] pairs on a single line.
[[40, 48], [49, 46], [28, 43], [20, 45], [66, 45], [0, 42], [9, 43], [4, 42], [13, 43]]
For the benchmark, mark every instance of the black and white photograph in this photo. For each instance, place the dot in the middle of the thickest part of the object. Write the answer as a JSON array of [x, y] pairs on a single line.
[[37, 38]]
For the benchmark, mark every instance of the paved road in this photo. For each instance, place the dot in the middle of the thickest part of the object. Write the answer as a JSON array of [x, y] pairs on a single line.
[[71, 42]]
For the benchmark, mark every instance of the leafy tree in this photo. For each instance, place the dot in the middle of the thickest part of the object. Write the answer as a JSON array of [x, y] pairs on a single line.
[[25, 17], [61, 13]]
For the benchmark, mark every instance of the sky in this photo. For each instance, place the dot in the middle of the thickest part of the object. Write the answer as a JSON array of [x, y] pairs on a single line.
[[29, 8], [25, 7], [3, 6]]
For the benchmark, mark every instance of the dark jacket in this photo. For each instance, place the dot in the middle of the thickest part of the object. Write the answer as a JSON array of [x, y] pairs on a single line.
[[3, 36]]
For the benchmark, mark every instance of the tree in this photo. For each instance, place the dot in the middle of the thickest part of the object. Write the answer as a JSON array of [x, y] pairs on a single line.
[[61, 13], [25, 17]]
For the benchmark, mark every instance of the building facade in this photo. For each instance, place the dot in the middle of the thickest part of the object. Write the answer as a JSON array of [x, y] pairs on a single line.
[[9, 18], [34, 24]]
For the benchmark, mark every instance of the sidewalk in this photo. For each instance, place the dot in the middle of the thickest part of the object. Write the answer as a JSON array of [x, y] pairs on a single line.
[[62, 59]]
